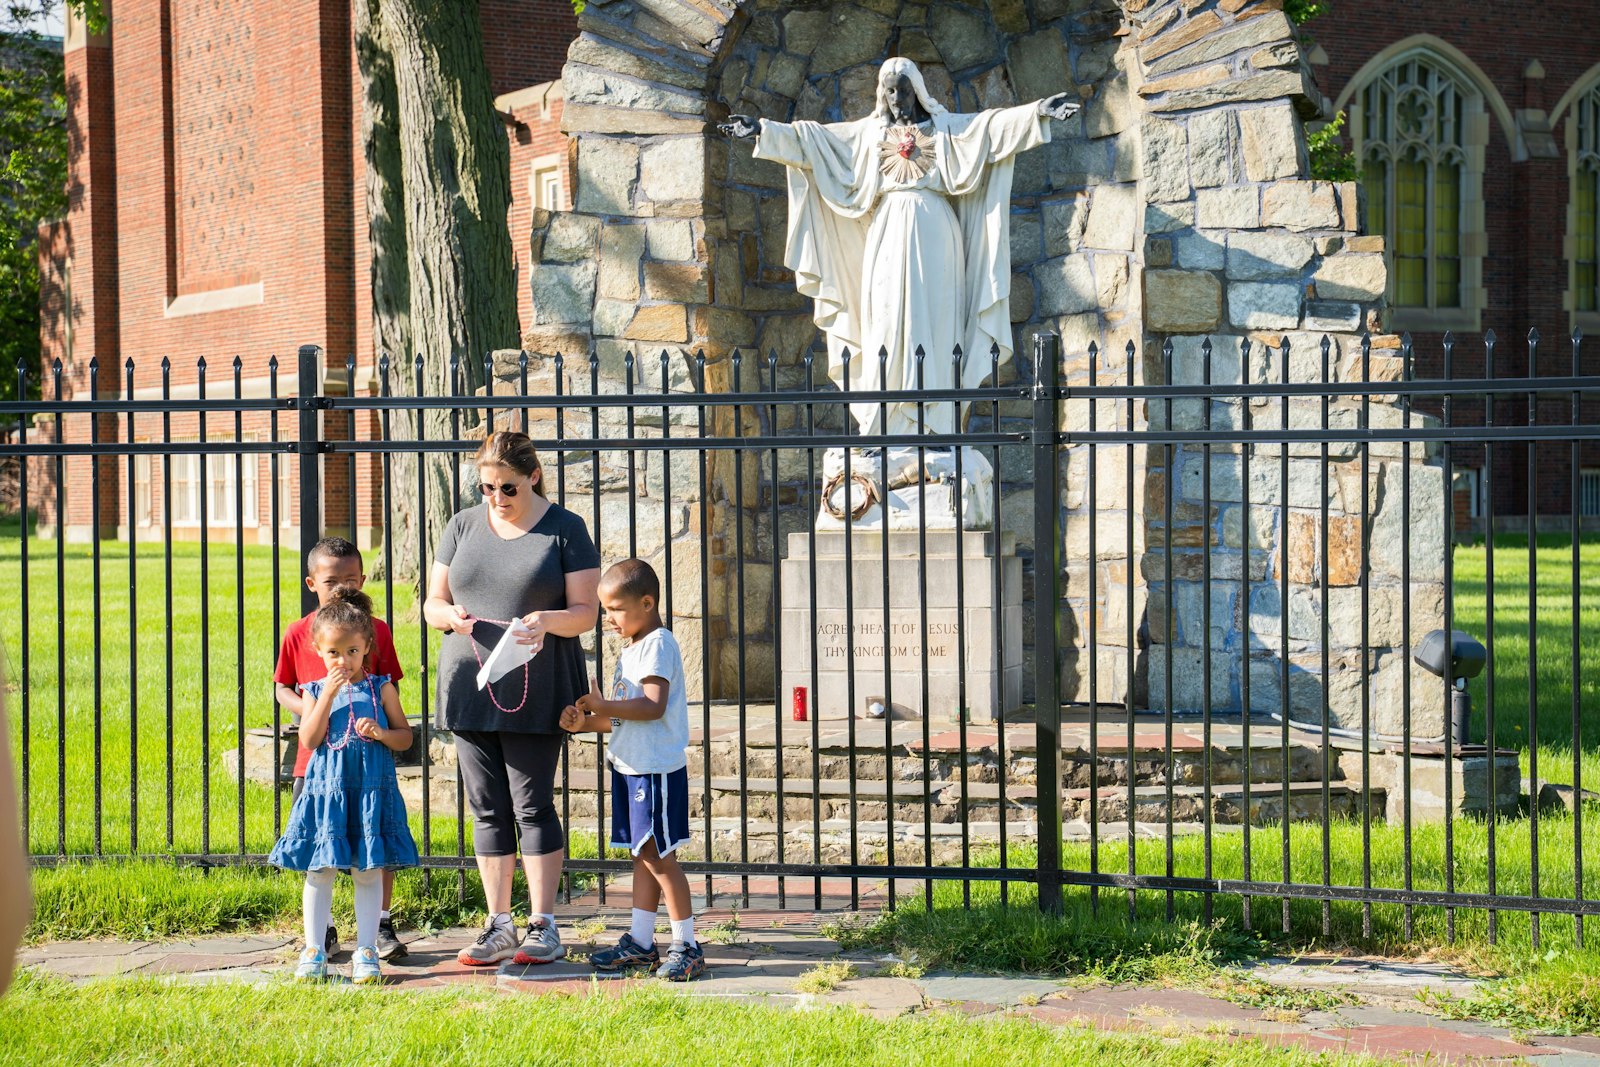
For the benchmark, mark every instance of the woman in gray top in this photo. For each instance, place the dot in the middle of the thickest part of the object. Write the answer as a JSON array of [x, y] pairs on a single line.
[[516, 556]]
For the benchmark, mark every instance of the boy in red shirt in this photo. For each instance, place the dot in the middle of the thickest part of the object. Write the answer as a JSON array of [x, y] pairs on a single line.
[[334, 564]]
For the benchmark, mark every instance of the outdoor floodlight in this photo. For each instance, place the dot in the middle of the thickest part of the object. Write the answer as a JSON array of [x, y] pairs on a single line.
[[1459, 658]]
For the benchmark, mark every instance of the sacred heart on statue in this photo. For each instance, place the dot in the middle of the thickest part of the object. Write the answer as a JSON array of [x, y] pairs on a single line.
[[906, 154]]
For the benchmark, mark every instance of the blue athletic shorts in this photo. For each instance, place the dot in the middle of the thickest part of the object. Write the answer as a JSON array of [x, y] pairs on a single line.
[[648, 807]]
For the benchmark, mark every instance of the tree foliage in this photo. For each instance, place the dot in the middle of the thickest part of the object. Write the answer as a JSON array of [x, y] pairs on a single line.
[[33, 176], [1331, 160], [1303, 11]]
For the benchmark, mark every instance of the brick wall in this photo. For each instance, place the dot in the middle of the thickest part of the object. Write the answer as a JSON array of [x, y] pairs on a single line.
[[525, 41], [224, 154], [1525, 206]]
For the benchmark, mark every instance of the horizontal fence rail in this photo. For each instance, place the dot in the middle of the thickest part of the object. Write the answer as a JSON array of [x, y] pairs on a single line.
[[1183, 652]]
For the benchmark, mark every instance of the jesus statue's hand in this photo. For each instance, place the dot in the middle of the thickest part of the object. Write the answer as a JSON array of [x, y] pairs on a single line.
[[739, 126], [1060, 106]]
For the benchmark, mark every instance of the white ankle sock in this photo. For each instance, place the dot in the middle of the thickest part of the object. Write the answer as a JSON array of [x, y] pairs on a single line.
[[384, 914], [500, 918], [644, 928], [549, 920], [683, 930]]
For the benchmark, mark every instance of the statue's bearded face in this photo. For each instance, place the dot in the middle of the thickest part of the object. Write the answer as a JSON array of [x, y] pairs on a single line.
[[903, 103]]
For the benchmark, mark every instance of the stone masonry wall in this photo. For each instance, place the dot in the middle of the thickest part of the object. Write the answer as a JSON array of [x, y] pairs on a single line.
[[677, 237], [1175, 206], [1241, 250]]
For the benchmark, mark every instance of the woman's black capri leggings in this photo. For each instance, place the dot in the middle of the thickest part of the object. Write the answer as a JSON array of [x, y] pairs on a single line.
[[509, 780]]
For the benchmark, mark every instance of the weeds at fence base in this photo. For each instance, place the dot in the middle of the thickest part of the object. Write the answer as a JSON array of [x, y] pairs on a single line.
[[1558, 993]]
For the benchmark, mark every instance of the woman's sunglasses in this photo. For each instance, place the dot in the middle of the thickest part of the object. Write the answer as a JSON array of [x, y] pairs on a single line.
[[508, 490]]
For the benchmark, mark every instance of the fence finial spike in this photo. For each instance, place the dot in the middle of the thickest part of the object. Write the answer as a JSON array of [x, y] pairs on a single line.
[[1405, 339], [1533, 335], [166, 364], [1449, 337], [383, 362], [238, 363], [1577, 334], [1489, 337], [272, 361], [201, 364], [522, 359], [1166, 349], [94, 365], [127, 364]]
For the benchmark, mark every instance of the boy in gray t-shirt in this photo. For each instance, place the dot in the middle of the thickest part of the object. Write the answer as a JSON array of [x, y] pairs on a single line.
[[647, 715]]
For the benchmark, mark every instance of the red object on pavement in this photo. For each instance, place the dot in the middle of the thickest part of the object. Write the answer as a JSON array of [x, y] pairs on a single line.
[[799, 703]]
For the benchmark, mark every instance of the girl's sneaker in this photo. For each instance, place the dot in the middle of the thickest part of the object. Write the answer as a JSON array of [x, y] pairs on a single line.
[[627, 953], [683, 963], [364, 968], [313, 966]]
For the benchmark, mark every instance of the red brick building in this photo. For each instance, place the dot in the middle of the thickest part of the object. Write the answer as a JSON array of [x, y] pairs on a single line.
[[217, 210], [1475, 131]]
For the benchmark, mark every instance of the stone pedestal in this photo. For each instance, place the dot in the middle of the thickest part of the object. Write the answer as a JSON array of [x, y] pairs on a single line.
[[1469, 770], [815, 611]]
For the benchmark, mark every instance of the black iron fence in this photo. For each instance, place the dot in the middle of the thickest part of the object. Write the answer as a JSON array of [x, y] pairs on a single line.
[[1179, 654]]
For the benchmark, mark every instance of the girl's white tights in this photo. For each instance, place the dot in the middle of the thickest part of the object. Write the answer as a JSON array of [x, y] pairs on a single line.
[[317, 905]]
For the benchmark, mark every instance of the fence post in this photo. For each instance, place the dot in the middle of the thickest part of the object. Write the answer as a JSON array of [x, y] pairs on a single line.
[[308, 388], [1046, 616]]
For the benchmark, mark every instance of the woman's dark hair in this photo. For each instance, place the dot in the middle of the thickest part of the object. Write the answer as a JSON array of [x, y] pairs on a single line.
[[350, 609], [512, 450]]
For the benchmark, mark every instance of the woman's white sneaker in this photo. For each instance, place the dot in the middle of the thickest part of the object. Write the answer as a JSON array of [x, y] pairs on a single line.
[[540, 944], [497, 942]]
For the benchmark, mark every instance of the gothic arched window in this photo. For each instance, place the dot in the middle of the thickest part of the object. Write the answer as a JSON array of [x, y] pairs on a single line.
[[1419, 133]]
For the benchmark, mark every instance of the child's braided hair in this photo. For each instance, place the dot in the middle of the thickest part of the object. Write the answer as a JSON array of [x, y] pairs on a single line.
[[350, 609]]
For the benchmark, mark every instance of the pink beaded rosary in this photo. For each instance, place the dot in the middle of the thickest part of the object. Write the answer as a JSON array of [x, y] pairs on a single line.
[[350, 722], [479, 657]]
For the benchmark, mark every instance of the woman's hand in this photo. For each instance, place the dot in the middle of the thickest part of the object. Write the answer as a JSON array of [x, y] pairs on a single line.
[[533, 636], [458, 620]]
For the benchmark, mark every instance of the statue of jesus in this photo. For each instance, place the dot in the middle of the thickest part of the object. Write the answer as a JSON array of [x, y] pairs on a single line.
[[899, 231]]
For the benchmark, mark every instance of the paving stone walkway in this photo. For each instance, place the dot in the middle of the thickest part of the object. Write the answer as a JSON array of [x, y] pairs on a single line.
[[758, 953]]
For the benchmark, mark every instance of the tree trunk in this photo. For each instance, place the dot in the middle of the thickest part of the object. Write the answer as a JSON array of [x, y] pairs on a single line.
[[447, 245], [390, 270]]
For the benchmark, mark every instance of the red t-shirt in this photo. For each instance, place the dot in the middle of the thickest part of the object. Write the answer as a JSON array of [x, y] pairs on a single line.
[[299, 663]]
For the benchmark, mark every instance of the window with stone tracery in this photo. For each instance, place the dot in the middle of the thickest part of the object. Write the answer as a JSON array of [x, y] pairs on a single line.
[[1584, 153], [1415, 140]]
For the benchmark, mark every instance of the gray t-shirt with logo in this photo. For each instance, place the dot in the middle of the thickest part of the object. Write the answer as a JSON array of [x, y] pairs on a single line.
[[498, 578]]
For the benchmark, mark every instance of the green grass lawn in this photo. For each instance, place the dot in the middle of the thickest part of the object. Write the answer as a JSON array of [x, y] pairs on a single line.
[[44, 1022], [1555, 673], [79, 900]]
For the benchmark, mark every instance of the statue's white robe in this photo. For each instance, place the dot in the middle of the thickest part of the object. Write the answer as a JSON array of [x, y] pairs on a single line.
[[892, 266]]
